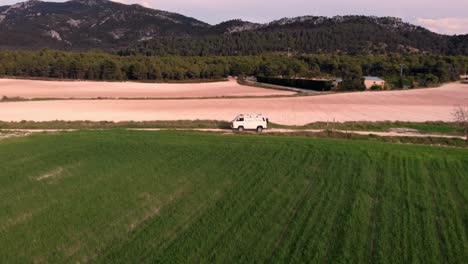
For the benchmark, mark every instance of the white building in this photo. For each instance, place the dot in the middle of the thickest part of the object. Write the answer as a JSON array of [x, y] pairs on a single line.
[[370, 81]]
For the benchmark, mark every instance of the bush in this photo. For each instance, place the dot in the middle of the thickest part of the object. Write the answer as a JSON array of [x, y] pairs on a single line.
[[315, 85], [376, 87], [352, 85]]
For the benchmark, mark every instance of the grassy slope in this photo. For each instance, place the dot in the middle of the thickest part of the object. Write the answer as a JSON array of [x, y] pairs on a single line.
[[121, 196], [423, 127]]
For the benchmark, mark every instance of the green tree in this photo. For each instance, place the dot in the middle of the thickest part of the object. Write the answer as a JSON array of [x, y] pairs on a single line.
[[110, 70]]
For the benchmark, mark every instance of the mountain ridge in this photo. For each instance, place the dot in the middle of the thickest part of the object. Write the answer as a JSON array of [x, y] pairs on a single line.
[[107, 25], [85, 24]]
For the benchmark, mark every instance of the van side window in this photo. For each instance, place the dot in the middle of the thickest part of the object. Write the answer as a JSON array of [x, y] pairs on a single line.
[[240, 119]]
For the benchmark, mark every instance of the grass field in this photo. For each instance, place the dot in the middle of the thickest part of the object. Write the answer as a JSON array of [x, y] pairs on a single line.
[[422, 127], [433, 141], [184, 197]]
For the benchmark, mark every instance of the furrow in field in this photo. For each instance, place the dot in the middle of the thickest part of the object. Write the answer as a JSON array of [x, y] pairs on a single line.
[[348, 241], [238, 211], [376, 206], [164, 245], [442, 242], [309, 226], [449, 228], [459, 189], [313, 224], [276, 207], [313, 183]]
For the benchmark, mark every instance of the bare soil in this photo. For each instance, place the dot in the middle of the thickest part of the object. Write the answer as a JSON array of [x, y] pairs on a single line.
[[89, 89], [435, 104]]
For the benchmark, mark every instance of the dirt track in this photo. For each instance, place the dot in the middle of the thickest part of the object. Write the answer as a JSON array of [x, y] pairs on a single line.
[[414, 105], [90, 89], [25, 132]]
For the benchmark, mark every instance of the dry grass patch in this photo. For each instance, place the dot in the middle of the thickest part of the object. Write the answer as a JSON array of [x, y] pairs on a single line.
[[153, 212], [57, 172], [19, 219], [51, 174]]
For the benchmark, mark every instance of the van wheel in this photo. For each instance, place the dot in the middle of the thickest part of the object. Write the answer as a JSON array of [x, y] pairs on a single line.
[[240, 129], [259, 129]]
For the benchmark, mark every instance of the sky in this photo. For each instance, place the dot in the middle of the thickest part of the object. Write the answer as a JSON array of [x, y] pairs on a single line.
[[445, 17]]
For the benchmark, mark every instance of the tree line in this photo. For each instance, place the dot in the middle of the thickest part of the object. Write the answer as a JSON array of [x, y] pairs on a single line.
[[420, 70], [355, 37]]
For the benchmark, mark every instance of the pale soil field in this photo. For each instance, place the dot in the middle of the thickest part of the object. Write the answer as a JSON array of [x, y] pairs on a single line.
[[89, 89], [435, 104]]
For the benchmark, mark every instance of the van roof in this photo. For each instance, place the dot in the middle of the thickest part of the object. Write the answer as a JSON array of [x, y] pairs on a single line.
[[257, 115]]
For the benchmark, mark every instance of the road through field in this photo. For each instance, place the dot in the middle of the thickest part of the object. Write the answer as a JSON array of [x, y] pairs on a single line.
[[421, 105], [7, 133]]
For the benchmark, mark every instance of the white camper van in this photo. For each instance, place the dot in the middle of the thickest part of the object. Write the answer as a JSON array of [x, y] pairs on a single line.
[[254, 122]]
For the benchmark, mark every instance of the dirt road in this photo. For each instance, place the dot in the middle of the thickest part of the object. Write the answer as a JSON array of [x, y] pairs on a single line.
[[434, 104], [25, 132]]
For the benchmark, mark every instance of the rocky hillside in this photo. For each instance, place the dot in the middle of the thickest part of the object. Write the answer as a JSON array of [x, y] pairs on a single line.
[[82, 24], [103, 24], [309, 34]]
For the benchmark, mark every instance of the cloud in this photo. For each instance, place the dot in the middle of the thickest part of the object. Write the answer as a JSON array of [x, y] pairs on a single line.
[[449, 25]]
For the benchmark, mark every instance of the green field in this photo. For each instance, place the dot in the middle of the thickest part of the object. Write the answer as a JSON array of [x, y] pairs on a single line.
[[184, 197]]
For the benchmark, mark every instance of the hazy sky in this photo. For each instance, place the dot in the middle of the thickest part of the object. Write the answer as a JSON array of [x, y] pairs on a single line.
[[447, 16]]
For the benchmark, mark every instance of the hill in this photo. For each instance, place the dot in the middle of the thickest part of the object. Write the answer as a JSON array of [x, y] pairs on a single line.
[[86, 24], [342, 35], [132, 29], [180, 197]]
